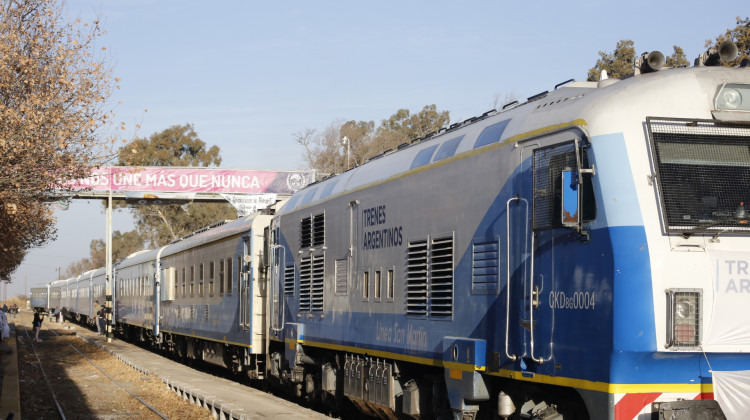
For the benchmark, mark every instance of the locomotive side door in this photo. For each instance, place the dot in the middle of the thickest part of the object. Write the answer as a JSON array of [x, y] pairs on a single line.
[[536, 231]]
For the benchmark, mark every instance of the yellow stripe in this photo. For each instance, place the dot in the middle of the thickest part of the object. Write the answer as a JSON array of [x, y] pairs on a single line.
[[466, 367], [544, 130], [604, 386], [535, 378]]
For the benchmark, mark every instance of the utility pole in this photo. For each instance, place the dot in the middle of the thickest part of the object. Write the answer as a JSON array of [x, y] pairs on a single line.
[[346, 141], [108, 327]]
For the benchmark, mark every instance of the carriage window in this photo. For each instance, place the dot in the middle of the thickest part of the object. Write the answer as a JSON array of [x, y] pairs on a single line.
[[229, 276], [221, 277], [378, 277], [200, 279], [366, 285], [192, 280], [389, 284], [184, 282], [211, 278]]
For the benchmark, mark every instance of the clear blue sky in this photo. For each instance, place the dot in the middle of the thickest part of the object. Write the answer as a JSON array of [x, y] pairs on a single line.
[[249, 75]]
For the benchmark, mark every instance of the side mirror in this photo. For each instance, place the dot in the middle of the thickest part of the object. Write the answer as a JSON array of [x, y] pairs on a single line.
[[571, 216]]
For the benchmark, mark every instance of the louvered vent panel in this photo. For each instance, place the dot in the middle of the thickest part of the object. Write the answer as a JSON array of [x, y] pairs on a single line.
[[305, 233], [305, 284], [318, 230], [416, 278], [289, 280], [441, 277], [317, 285], [342, 276]]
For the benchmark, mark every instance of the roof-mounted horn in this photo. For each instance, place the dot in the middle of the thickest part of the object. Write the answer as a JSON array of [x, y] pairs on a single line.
[[649, 62], [725, 51]]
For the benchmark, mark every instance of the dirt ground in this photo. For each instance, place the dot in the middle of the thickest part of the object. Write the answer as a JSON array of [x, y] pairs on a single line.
[[83, 391]]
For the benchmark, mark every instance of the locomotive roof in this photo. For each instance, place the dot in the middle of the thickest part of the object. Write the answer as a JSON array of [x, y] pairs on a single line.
[[565, 106], [474, 133]]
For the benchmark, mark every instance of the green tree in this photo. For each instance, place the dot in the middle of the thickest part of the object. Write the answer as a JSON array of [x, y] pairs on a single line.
[[326, 150], [678, 58], [618, 64], [123, 244], [403, 127], [54, 83], [740, 35], [178, 145]]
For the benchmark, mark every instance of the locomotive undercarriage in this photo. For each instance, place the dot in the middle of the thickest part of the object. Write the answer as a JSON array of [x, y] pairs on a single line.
[[377, 387], [389, 389]]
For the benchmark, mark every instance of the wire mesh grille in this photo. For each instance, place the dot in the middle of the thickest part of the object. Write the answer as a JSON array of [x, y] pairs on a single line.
[[686, 311], [702, 172], [549, 163]]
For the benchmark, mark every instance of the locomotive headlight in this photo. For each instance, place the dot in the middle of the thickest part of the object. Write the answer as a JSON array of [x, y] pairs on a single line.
[[733, 97], [683, 318], [684, 309]]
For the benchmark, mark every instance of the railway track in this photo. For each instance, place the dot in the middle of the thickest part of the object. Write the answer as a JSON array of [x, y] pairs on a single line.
[[64, 377]]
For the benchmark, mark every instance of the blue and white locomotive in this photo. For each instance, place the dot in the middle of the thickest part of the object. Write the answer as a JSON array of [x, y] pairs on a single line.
[[583, 255]]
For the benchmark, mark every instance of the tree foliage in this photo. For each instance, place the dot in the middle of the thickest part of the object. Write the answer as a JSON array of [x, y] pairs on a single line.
[[326, 151], [123, 244], [619, 63], [740, 35], [53, 87], [178, 145]]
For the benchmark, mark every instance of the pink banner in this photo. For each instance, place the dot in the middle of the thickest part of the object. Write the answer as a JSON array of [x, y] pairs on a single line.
[[196, 180]]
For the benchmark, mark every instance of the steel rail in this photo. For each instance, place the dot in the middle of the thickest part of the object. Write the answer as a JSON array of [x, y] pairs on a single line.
[[154, 410]]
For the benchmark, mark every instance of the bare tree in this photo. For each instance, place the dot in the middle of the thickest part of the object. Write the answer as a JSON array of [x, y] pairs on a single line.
[[54, 83]]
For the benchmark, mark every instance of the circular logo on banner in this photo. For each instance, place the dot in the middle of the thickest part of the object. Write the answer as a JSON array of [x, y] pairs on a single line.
[[295, 182]]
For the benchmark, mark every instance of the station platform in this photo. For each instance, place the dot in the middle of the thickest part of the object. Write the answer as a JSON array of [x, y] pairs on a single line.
[[224, 398], [10, 392]]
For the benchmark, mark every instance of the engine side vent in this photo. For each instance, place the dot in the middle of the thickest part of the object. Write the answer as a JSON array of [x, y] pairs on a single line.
[[289, 280], [342, 276], [305, 284], [441, 277], [317, 284], [416, 278]]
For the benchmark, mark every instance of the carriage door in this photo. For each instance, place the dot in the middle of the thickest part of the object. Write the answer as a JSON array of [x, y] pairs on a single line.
[[276, 289], [245, 267]]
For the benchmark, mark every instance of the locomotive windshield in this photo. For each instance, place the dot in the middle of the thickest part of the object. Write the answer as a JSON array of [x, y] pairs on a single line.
[[703, 174]]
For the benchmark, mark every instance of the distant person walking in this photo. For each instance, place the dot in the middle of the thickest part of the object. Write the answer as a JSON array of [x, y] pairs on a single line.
[[37, 323], [4, 327], [98, 325], [101, 316]]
